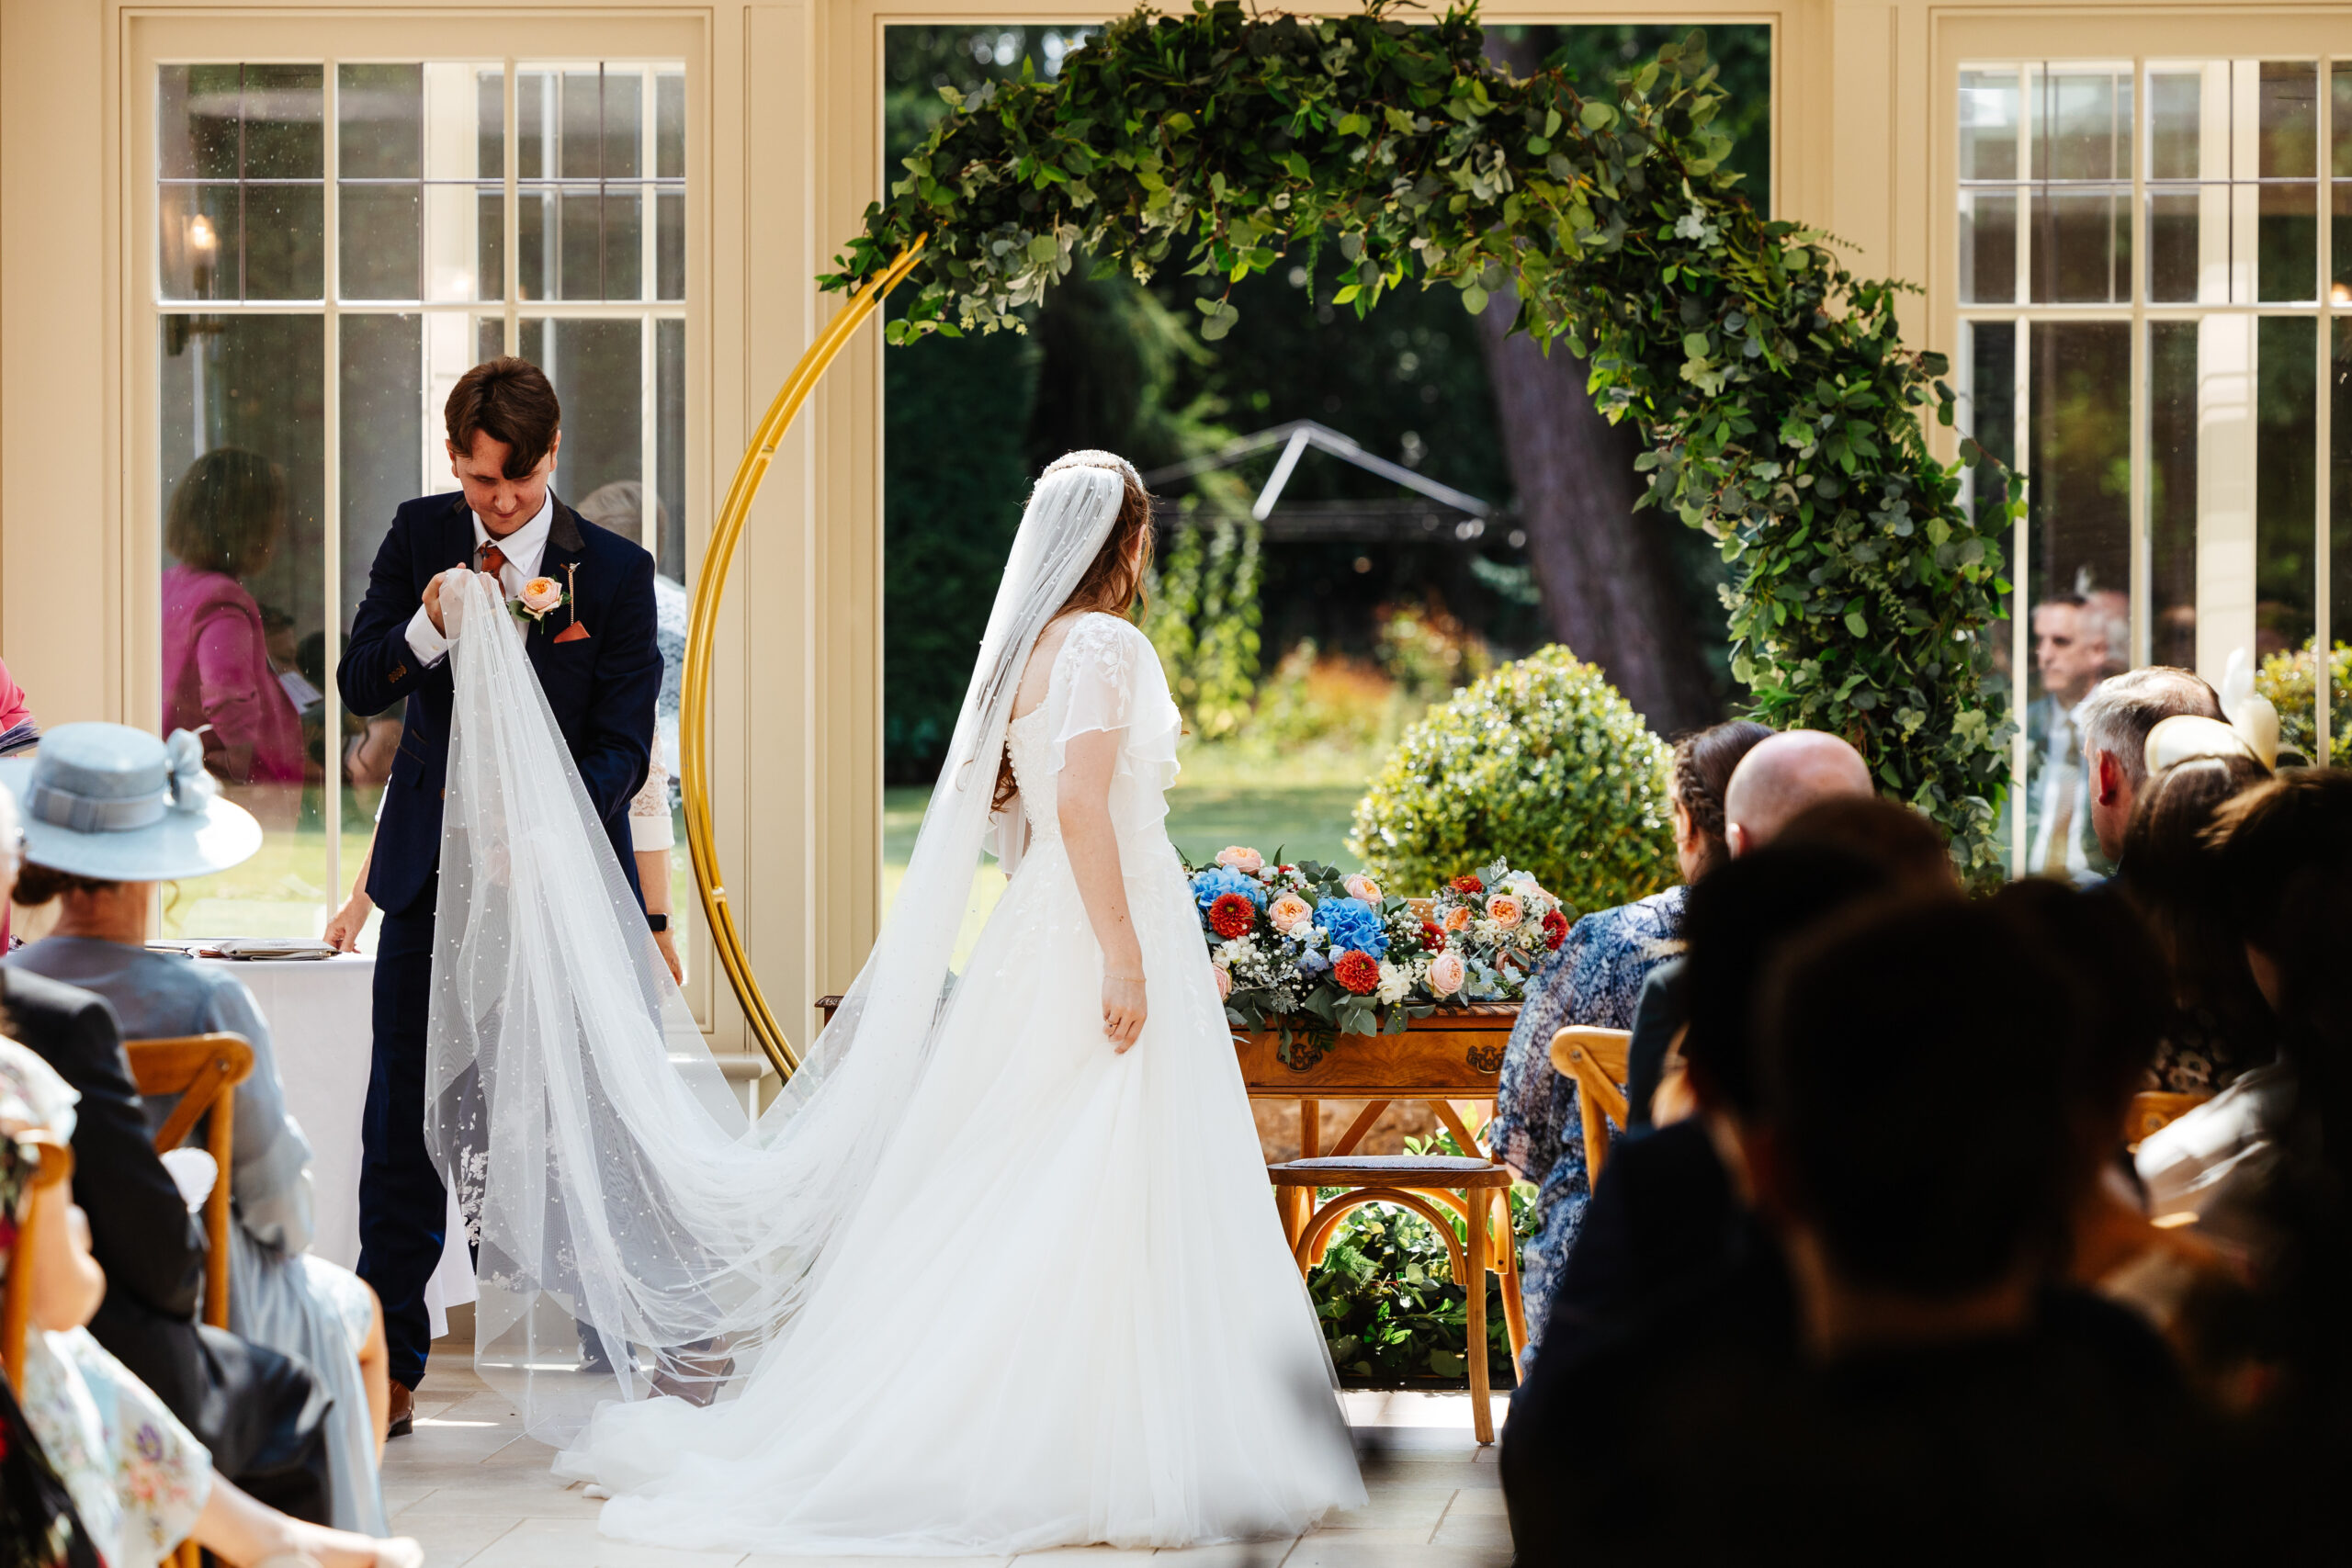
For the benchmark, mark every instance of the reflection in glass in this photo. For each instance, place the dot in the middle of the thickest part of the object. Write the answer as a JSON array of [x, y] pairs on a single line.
[[2081, 244], [2182, 269], [381, 242], [670, 246], [2172, 493], [382, 379], [379, 122], [1988, 246], [670, 125], [2287, 237], [196, 234], [2289, 116], [243, 450], [284, 114], [2175, 106], [2081, 126], [2078, 453], [285, 242], [670, 445], [1989, 414], [239, 124], [2285, 495], [596, 366], [197, 108]]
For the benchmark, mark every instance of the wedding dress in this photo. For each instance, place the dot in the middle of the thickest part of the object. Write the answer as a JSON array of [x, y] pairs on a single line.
[[978, 1282]]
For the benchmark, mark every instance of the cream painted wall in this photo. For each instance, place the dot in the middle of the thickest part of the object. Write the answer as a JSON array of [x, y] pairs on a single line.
[[785, 115]]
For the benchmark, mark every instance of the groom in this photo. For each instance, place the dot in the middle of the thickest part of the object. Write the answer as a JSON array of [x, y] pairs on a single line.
[[596, 661]]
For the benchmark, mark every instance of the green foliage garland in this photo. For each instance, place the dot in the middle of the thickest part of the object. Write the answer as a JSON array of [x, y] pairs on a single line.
[[1541, 763], [1779, 402]]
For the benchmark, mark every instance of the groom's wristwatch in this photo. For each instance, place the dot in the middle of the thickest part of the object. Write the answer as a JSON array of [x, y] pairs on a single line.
[[658, 922]]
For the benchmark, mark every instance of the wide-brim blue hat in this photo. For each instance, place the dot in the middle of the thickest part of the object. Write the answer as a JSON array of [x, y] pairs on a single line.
[[115, 804]]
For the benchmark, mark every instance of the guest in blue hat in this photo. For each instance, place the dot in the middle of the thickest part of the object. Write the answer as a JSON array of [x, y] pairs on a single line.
[[108, 812]]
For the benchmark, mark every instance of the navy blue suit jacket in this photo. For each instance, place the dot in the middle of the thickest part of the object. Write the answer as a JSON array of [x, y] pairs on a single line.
[[602, 686]]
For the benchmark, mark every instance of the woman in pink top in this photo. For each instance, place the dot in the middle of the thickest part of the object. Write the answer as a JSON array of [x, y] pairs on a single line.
[[223, 527]]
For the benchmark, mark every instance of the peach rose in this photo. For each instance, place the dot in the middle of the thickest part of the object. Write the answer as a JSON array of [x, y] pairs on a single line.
[[1359, 885], [1223, 980], [1288, 911], [541, 595], [1457, 919], [1504, 910], [1250, 863], [1446, 974]]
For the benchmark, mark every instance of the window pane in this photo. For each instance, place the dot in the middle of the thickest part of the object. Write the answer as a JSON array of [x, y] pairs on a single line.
[[285, 242], [1988, 386], [533, 124], [597, 370], [382, 446], [244, 454], [670, 125], [382, 241], [1988, 247], [196, 121], [380, 118], [2340, 246], [2080, 554], [2081, 126], [490, 122], [465, 232], [601, 253], [2188, 245], [534, 208], [2176, 104], [2081, 244], [2288, 241], [196, 232], [2338, 670], [2285, 463], [490, 233], [2172, 493], [490, 339], [2289, 118], [285, 108], [670, 246]]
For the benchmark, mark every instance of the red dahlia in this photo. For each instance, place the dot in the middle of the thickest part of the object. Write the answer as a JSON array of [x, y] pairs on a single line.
[[1433, 937], [1556, 929], [1359, 972], [1468, 884], [1232, 915]]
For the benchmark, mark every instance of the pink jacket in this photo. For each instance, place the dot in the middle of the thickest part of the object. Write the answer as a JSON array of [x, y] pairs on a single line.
[[216, 672]]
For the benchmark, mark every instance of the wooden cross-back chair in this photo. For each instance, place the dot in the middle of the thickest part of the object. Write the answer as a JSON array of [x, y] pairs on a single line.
[[202, 1069], [1595, 1059], [56, 1159], [1468, 1185]]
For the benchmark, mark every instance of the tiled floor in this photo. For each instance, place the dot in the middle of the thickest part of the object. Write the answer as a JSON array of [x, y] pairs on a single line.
[[475, 1490]]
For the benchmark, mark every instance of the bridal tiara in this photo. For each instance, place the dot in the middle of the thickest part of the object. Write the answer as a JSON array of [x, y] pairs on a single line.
[[1095, 459]]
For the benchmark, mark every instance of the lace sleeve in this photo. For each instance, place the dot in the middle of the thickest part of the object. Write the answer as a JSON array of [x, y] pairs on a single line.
[[1108, 678], [649, 811]]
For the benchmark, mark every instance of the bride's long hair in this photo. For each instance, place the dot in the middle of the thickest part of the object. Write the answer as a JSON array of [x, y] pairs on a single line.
[[1116, 583]]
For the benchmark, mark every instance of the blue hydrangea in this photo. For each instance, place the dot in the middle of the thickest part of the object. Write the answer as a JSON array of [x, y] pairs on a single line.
[[1311, 964], [1353, 926], [1219, 880]]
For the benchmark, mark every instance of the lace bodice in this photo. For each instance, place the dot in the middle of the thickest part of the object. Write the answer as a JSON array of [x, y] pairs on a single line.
[[1105, 677]]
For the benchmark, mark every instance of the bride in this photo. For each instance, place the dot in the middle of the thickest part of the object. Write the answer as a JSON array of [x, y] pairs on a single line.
[[998, 1271]]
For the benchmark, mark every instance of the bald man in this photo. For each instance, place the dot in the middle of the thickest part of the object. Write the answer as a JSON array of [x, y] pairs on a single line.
[[1781, 777]]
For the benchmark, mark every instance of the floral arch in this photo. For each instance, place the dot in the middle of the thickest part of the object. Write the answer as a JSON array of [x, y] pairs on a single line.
[[1781, 409]]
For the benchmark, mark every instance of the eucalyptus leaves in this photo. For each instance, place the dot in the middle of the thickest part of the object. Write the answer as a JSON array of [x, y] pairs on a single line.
[[1779, 402]]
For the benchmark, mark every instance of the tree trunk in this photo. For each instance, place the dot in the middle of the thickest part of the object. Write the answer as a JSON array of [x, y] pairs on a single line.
[[1606, 578]]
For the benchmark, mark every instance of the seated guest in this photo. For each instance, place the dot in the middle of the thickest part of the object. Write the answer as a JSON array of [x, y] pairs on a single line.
[[2174, 1278], [1593, 979], [258, 1411], [2114, 722], [2218, 1026], [2285, 880], [138, 1482], [104, 879], [1923, 1397], [1778, 778]]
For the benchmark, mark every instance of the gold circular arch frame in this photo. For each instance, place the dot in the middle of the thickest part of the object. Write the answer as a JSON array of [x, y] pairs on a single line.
[[702, 627]]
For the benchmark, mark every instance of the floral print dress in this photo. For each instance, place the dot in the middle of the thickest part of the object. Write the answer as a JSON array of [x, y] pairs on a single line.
[[137, 1477], [1595, 979]]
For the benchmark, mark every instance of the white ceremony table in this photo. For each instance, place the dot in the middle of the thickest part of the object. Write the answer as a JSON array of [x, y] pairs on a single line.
[[319, 1012]]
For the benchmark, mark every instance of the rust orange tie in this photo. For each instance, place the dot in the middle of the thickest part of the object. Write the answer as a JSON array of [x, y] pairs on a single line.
[[494, 561]]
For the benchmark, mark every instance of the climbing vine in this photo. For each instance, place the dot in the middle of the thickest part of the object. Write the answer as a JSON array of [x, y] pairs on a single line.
[[1778, 403]]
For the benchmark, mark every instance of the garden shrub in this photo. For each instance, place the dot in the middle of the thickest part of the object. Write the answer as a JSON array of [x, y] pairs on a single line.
[[1541, 763], [2287, 679]]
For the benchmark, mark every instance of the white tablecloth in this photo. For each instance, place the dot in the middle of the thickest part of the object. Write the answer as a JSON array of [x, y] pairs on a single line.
[[319, 1011]]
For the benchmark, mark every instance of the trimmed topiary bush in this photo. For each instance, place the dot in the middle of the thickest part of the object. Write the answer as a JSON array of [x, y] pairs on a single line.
[[1541, 763]]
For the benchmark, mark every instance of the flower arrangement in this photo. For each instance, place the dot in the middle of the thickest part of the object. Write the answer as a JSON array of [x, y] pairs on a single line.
[[1307, 945]]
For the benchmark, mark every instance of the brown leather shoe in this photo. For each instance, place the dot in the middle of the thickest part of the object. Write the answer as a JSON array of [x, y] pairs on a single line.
[[403, 1412]]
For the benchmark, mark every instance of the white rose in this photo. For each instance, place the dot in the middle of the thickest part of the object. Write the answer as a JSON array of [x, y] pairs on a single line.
[[1395, 982]]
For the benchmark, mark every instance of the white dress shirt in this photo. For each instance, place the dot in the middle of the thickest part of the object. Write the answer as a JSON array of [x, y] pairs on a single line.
[[523, 549]]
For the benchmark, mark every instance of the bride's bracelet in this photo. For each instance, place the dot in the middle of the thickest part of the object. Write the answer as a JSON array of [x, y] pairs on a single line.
[[1108, 975]]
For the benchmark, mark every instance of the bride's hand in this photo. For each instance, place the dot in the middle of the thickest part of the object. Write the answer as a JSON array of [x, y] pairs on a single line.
[[1123, 1010]]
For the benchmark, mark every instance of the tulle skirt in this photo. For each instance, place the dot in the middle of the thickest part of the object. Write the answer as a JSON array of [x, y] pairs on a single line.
[[1064, 1313]]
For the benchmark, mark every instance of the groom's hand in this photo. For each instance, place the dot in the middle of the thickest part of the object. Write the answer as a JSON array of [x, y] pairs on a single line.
[[433, 596]]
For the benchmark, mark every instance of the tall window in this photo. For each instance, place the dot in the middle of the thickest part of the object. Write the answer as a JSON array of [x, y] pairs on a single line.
[[336, 243], [2155, 329]]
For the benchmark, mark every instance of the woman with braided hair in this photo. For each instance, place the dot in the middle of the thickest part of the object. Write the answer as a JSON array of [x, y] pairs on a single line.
[[1595, 979]]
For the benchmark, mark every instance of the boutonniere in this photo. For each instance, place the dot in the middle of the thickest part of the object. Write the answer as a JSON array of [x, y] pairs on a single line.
[[541, 597]]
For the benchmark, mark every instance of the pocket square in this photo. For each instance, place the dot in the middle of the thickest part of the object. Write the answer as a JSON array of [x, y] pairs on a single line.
[[575, 632]]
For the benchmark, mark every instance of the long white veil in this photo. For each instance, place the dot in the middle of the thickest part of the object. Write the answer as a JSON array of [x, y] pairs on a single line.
[[636, 1232]]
